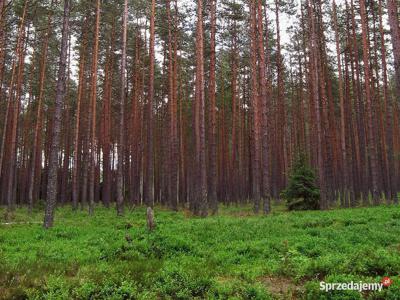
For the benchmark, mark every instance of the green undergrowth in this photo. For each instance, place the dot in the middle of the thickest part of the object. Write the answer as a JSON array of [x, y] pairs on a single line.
[[235, 255]]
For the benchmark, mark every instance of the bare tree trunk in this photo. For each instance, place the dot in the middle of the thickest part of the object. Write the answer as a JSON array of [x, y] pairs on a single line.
[[281, 152], [233, 165], [344, 163], [201, 142], [136, 128], [264, 105], [67, 146], [12, 171], [393, 12], [121, 144], [149, 186], [18, 50], [315, 75], [2, 44], [212, 136], [93, 101], [175, 143], [172, 166], [53, 162], [39, 113], [255, 163], [388, 109], [371, 136], [76, 159]]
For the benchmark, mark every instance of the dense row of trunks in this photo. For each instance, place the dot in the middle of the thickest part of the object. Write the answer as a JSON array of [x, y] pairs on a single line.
[[161, 114]]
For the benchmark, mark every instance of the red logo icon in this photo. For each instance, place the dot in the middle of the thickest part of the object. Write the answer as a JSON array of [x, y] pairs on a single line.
[[386, 281]]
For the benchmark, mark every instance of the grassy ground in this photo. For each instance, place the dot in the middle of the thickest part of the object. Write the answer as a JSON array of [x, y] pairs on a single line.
[[235, 255]]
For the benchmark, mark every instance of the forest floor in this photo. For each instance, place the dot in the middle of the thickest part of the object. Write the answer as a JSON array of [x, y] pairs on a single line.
[[235, 255]]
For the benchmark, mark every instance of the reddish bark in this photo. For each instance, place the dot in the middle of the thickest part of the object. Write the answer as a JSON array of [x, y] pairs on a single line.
[[121, 143], [371, 136], [255, 163], [264, 107], [77, 130], [93, 112], [201, 183], [212, 103], [149, 186]]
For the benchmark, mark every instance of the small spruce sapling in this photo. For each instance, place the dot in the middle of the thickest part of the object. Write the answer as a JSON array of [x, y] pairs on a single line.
[[302, 192]]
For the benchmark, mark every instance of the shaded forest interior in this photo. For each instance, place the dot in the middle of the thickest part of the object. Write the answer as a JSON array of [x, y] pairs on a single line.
[[195, 103]]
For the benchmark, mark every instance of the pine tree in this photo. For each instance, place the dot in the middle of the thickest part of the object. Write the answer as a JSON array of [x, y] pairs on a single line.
[[121, 142], [61, 83]]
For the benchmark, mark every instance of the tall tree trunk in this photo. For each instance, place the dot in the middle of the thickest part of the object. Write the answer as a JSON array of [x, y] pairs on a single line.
[[343, 125], [93, 101], [53, 162], [67, 146], [281, 109], [135, 127], [212, 102], [388, 109], [200, 128], [121, 144], [149, 186], [173, 159], [38, 125], [255, 163], [264, 105], [371, 136], [77, 132], [18, 50], [315, 76], [233, 171], [2, 44], [12, 171], [175, 147], [393, 12]]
